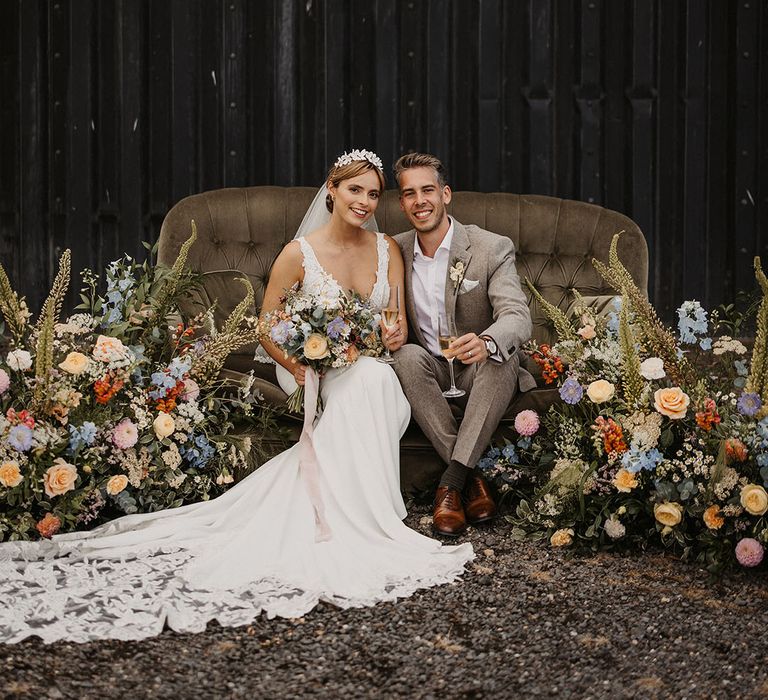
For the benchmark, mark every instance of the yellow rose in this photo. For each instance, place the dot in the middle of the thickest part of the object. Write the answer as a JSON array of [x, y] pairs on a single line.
[[672, 403], [624, 481], [316, 347], [10, 474], [74, 363], [668, 513], [713, 518], [164, 425], [754, 499], [116, 484], [60, 478], [600, 391], [562, 538]]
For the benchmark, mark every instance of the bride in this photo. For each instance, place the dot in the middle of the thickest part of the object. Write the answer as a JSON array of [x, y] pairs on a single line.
[[255, 548]]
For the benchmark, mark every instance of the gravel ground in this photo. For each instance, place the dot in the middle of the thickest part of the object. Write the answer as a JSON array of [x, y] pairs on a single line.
[[525, 621]]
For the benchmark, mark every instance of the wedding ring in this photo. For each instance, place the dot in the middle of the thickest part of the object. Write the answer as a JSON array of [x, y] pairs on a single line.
[[469, 352]]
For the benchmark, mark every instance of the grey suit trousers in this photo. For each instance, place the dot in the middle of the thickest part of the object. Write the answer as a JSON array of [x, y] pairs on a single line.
[[490, 387]]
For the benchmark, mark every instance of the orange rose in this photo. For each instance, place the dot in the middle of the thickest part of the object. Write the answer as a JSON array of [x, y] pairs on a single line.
[[60, 478], [672, 403], [49, 525], [10, 474], [624, 481], [116, 484], [713, 518]]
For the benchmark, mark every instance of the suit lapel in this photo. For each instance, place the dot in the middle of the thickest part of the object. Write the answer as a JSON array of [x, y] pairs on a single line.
[[459, 253], [410, 307]]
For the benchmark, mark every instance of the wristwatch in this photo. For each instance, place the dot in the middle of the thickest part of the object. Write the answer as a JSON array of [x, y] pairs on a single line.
[[490, 345]]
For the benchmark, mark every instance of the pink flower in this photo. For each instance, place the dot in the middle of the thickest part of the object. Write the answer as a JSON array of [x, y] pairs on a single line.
[[191, 390], [125, 434], [527, 422], [5, 381], [749, 552]]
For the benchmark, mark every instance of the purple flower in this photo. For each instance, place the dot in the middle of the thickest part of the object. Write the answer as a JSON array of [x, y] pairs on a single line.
[[20, 438], [337, 328], [571, 391], [282, 332], [749, 552], [749, 403]]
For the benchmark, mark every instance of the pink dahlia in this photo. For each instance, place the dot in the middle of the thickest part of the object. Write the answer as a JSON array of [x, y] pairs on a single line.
[[125, 434], [749, 552], [5, 381], [527, 422], [191, 390]]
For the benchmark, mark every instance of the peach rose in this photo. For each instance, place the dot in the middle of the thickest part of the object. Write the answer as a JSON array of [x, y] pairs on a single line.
[[316, 347], [600, 391], [164, 425], [109, 349], [754, 499], [713, 518], [562, 538], [74, 363], [587, 332], [60, 478], [668, 513], [10, 474], [624, 481], [672, 403], [116, 484]]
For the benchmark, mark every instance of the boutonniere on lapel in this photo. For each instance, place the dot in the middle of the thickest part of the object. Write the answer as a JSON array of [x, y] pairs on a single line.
[[456, 273], [461, 285]]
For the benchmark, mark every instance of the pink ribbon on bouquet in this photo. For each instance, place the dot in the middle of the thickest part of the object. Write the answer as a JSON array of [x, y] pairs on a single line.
[[309, 468]]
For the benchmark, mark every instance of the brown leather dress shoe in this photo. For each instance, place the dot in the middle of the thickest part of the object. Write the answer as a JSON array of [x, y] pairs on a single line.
[[480, 506], [448, 516]]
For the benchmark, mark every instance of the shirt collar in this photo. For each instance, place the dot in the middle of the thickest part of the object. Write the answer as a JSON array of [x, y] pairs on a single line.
[[446, 243]]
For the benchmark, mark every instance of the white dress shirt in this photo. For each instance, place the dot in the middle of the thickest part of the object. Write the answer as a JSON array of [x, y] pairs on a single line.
[[429, 275]]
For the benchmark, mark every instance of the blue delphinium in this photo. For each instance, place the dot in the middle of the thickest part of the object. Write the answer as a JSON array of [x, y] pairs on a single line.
[[509, 453], [571, 391], [635, 461], [749, 403], [81, 436], [20, 438], [163, 382], [120, 282], [199, 453], [692, 325], [613, 316], [179, 367]]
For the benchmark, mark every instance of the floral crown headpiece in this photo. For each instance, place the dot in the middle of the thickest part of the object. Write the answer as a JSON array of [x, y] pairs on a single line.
[[347, 158]]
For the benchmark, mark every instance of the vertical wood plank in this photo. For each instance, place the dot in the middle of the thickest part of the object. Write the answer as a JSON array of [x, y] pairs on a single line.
[[236, 134], [362, 76], [212, 84], [464, 64], [488, 167], [285, 95], [387, 70], [515, 161], [745, 142], [539, 96], [589, 97], [261, 57], [438, 84], [413, 84]]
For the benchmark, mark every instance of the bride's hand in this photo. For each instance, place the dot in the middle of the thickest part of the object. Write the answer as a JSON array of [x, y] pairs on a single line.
[[299, 372], [394, 337]]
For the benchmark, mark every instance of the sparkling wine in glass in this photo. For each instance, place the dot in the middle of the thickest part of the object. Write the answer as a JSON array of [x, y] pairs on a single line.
[[446, 334], [389, 315]]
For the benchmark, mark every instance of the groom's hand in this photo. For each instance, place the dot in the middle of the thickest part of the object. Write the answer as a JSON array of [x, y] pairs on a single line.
[[469, 348]]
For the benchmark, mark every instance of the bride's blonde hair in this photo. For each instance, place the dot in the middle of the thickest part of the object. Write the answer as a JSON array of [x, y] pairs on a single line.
[[338, 173]]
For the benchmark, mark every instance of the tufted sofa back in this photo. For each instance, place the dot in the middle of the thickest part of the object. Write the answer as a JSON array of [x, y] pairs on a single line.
[[244, 229]]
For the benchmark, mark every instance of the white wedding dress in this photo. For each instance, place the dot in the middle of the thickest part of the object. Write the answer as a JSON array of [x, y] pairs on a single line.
[[254, 548]]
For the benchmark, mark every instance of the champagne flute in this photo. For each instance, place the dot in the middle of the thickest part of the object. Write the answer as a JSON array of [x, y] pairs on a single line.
[[389, 315], [446, 334]]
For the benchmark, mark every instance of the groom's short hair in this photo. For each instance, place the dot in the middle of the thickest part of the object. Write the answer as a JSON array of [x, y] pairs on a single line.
[[420, 160]]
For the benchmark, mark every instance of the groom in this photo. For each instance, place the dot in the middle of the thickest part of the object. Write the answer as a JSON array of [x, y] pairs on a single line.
[[470, 273]]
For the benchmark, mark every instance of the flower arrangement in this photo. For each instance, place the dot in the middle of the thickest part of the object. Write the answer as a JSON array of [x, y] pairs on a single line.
[[658, 437], [329, 331], [118, 409]]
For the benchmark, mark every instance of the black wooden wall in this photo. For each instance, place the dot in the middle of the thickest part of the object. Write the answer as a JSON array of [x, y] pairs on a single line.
[[112, 110]]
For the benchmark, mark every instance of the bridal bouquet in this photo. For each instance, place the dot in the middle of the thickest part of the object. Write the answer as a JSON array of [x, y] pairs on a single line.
[[325, 332], [659, 436], [118, 409]]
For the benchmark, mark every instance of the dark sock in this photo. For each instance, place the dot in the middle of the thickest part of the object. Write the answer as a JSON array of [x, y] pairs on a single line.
[[455, 476]]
